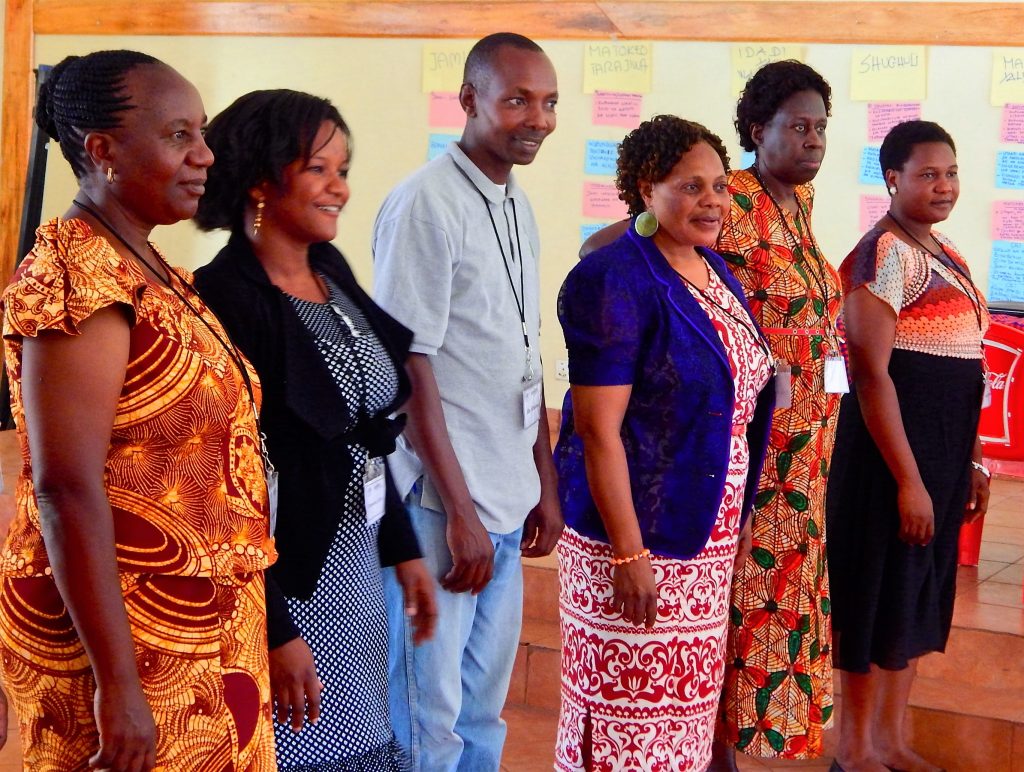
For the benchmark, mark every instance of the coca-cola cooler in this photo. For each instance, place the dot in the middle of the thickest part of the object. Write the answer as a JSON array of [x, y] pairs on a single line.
[[1001, 427]]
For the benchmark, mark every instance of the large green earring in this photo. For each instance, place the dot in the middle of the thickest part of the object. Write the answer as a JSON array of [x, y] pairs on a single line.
[[646, 224]]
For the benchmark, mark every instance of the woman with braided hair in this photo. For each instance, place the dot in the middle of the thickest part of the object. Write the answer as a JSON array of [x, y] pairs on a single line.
[[132, 616]]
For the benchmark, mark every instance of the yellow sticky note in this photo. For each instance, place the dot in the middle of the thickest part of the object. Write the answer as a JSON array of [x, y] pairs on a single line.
[[443, 64], [889, 74], [623, 65], [748, 58], [1007, 76]]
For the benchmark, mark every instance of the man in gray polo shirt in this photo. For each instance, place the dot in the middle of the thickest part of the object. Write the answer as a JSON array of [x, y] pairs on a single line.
[[455, 248]]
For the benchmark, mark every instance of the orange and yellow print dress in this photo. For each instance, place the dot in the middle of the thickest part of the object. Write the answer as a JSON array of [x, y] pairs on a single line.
[[184, 478], [777, 698]]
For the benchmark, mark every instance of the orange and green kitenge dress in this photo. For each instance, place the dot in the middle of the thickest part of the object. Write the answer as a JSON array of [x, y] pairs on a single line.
[[184, 477], [777, 698]]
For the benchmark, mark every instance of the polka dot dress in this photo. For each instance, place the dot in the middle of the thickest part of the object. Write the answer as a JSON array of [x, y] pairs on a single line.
[[345, 622]]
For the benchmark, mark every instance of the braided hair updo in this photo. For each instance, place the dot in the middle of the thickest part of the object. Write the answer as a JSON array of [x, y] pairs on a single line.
[[83, 94]]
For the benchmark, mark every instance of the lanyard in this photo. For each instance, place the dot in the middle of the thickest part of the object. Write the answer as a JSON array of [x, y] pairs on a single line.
[[818, 273], [233, 353], [519, 297]]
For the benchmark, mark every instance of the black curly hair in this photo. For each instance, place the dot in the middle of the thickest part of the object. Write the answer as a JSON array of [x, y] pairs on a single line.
[[252, 141], [651, 150], [768, 88], [900, 141], [83, 94]]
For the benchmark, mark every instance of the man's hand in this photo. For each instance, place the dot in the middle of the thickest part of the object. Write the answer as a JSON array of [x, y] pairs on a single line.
[[543, 528], [472, 554], [420, 603]]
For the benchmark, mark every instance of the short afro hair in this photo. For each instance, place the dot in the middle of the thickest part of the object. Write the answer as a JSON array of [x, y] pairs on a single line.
[[252, 141], [83, 94], [768, 88], [650, 152], [900, 141], [480, 61]]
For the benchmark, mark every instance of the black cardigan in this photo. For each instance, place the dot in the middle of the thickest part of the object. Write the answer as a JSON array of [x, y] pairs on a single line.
[[304, 418]]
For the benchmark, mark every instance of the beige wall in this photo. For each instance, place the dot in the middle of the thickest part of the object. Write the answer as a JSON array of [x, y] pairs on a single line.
[[376, 84]]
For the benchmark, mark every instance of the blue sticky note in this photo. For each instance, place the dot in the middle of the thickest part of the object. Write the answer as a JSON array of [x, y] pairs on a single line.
[[437, 144], [601, 157], [746, 160], [870, 171], [1009, 169], [1006, 271], [589, 229]]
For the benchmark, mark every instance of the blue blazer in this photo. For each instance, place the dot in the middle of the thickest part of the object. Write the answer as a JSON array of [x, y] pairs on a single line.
[[628, 319]]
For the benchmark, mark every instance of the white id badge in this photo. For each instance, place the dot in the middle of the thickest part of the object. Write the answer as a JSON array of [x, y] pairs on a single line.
[[271, 474], [986, 398], [783, 385], [373, 490], [835, 375], [531, 405]]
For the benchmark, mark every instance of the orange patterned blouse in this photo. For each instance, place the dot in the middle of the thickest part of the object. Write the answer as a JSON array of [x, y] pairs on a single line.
[[184, 474]]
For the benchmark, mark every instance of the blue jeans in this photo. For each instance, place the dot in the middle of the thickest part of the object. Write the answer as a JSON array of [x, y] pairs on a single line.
[[446, 695]]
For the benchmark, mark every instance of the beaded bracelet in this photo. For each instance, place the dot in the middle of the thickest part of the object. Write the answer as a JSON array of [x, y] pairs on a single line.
[[622, 561], [983, 469]]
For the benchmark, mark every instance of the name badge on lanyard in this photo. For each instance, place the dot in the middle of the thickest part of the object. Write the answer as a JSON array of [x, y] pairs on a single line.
[[374, 489], [783, 385], [836, 381], [531, 405]]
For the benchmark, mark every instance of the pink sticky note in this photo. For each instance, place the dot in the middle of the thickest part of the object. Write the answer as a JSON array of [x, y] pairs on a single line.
[[1013, 124], [612, 108], [445, 110], [882, 116], [601, 201], [871, 210], [1008, 221]]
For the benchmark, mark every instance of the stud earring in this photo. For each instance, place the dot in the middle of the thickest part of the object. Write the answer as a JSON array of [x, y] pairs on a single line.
[[110, 175], [257, 223], [646, 224], [892, 190]]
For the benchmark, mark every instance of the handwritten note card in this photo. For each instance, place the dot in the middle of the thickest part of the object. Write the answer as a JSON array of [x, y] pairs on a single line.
[[613, 108], [601, 157], [882, 116], [437, 144], [1006, 271], [1009, 169], [748, 58], [888, 74], [1007, 76], [617, 66], [1008, 221], [601, 201], [871, 210], [445, 110], [589, 229], [870, 171], [443, 63], [1013, 124]]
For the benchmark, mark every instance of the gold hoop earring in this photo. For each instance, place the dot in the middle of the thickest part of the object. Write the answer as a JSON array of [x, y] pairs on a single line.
[[257, 223], [110, 175]]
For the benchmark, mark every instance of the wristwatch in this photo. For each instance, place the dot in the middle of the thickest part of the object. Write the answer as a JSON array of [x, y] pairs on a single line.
[[983, 469]]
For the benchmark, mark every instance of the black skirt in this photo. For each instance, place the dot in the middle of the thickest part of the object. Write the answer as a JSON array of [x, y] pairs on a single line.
[[892, 602]]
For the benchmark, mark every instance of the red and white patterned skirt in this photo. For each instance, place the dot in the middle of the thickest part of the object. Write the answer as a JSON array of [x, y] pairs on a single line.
[[639, 699]]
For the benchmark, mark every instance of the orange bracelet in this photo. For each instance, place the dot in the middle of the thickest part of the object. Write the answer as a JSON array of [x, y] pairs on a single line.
[[622, 561]]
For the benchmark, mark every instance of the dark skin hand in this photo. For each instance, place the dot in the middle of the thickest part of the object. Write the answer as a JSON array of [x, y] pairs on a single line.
[[69, 439], [870, 331], [544, 524], [294, 684], [468, 541], [598, 412], [977, 501], [420, 602]]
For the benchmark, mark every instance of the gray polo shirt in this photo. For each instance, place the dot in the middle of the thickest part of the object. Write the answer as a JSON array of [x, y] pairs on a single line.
[[438, 269]]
